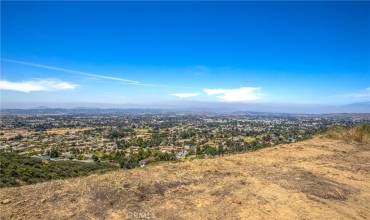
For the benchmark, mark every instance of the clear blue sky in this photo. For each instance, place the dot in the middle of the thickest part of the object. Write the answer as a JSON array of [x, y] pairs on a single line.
[[117, 52]]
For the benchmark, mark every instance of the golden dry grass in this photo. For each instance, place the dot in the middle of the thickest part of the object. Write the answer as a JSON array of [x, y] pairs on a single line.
[[62, 131], [360, 133], [249, 139], [315, 179]]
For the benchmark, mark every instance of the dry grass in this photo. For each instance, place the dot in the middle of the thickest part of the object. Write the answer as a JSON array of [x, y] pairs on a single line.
[[11, 133], [360, 133], [62, 131], [249, 139], [315, 179]]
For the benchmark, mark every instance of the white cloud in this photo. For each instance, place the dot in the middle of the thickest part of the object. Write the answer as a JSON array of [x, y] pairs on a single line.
[[185, 95], [36, 85], [243, 94]]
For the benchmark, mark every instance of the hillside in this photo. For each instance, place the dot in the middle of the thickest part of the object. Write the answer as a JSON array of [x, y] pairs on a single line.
[[319, 178]]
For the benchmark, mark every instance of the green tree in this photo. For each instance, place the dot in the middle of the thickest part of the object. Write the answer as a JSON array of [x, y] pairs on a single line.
[[208, 150], [95, 158], [221, 150], [54, 153], [18, 137]]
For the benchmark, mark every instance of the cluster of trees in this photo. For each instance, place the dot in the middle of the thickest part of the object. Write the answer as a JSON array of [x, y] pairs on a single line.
[[230, 147], [210, 151], [155, 139], [132, 160], [18, 170]]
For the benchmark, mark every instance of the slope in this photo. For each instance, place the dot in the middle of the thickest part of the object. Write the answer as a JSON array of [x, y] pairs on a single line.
[[319, 178]]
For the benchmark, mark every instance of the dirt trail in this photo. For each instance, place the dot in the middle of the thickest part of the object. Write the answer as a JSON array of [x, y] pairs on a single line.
[[313, 179]]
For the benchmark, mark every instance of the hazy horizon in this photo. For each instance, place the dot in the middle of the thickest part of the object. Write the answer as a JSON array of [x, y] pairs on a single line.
[[206, 107]]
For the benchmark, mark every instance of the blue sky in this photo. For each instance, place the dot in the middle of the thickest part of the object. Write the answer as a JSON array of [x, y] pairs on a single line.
[[243, 52]]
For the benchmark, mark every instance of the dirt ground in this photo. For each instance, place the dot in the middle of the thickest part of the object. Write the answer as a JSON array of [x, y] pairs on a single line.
[[314, 179]]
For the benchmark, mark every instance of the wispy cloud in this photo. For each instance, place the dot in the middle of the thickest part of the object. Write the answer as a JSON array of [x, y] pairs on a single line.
[[36, 85], [243, 94], [185, 95], [92, 76], [60, 69], [363, 94]]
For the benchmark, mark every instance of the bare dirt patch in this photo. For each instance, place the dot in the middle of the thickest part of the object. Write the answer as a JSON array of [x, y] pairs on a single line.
[[312, 185]]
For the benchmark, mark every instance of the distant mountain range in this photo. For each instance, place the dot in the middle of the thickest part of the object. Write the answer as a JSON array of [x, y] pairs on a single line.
[[187, 106], [357, 107]]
